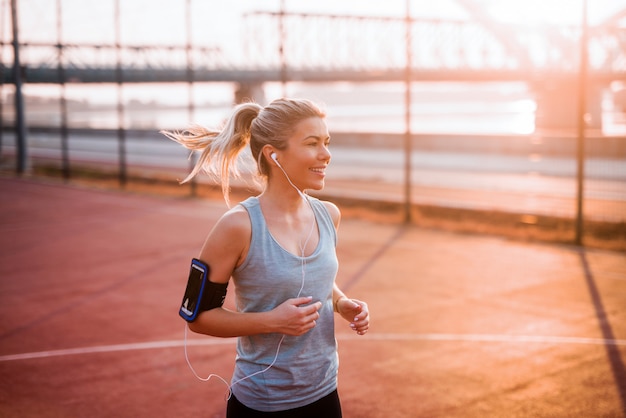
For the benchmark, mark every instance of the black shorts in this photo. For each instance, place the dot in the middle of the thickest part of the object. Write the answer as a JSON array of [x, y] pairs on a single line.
[[327, 407]]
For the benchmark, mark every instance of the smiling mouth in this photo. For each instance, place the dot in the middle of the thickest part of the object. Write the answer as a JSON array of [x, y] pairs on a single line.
[[319, 170]]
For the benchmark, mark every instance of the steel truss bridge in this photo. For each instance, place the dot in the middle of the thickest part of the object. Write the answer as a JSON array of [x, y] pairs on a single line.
[[325, 48]]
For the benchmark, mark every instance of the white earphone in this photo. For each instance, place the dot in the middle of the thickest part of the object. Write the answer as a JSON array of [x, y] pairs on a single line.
[[274, 157]]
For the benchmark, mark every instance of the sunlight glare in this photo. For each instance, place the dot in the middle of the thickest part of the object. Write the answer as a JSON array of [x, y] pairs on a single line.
[[537, 12]]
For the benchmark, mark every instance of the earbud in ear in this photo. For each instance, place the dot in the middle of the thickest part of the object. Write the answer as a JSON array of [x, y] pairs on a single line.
[[274, 156]]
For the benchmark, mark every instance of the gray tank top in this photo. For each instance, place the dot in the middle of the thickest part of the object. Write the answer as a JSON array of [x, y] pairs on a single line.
[[306, 367]]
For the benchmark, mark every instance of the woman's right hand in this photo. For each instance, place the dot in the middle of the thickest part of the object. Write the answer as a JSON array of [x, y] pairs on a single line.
[[295, 316]]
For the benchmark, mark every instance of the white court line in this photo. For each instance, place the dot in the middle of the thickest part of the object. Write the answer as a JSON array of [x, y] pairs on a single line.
[[114, 348], [487, 338], [504, 338]]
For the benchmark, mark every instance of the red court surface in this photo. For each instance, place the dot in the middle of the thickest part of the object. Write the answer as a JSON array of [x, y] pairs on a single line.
[[462, 325]]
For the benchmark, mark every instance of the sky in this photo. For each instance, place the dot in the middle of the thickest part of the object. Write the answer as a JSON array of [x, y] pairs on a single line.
[[163, 21]]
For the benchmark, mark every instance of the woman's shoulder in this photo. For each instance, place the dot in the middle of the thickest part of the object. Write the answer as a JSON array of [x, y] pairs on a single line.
[[333, 211], [235, 219], [232, 227], [227, 242]]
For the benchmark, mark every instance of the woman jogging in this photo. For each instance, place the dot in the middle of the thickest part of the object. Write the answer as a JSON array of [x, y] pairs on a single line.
[[280, 249]]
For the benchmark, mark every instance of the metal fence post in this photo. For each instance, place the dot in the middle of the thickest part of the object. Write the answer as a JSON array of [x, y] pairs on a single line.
[[121, 132], [190, 105], [281, 49], [580, 152], [63, 102], [407, 134], [20, 124], [2, 19]]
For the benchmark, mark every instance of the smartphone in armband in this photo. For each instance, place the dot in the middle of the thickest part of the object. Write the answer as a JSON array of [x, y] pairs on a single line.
[[192, 299]]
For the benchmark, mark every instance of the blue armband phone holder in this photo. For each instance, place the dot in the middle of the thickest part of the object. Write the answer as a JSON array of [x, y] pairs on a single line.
[[201, 294]]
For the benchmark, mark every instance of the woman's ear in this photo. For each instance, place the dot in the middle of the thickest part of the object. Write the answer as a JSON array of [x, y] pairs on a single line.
[[270, 154]]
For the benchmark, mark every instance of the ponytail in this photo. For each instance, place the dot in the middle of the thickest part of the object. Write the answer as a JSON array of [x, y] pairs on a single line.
[[249, 124], [219, 148]]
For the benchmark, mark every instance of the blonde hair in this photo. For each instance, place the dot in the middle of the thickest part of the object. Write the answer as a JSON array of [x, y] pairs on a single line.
[[249, 124]]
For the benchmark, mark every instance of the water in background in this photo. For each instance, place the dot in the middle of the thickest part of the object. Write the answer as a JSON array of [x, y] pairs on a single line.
[[464, 108]]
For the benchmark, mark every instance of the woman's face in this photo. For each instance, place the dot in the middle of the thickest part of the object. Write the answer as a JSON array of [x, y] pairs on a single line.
[[307, 155]]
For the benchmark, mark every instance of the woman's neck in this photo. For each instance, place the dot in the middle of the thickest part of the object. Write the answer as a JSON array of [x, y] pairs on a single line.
[[284, 199]]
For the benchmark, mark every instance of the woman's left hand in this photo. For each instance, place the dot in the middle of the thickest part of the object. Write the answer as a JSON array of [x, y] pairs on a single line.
[[356, 312]]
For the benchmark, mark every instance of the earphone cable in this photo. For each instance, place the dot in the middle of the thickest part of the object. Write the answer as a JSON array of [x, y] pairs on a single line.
[[303, 246]]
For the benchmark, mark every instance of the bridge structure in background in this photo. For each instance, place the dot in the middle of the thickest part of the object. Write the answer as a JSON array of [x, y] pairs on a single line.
[[558, 63], [288, 47]]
